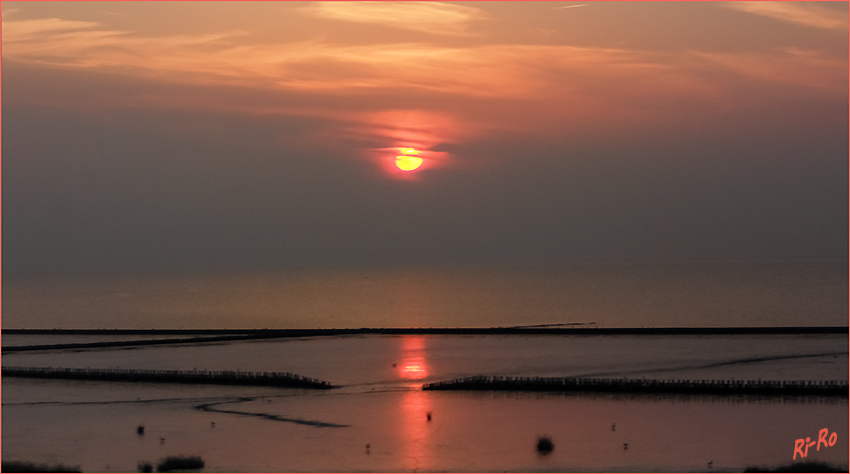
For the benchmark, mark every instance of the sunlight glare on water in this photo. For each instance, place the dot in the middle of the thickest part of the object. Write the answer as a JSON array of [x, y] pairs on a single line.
[[413, 365]]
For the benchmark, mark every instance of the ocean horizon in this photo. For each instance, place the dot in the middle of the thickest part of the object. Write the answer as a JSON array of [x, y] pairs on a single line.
[[701, 294]]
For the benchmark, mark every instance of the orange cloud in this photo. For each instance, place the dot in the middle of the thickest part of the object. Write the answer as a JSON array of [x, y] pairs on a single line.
[[366, 92], [228, 59], [800, 13], [487, 71], [425, 17], [27, 30]]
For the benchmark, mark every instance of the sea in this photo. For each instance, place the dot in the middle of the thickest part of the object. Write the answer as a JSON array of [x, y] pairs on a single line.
[[380, 420]]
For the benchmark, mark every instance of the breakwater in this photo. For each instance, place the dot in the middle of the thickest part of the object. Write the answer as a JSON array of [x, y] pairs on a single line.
[[711, 387], [137, 342], [510, 330], [273, 379], [201, 336]]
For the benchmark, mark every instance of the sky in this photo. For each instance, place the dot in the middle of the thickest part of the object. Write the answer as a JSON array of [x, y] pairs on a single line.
[[192, 136]]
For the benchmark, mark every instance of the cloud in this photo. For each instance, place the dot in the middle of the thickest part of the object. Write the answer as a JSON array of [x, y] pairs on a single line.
[[24, 30], [801, 13], [484, 71], [515, 87], [790, 66], [570, 6], [487, 71], [426, 17]]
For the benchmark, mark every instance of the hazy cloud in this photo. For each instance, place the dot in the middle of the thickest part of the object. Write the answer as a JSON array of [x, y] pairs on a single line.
[[791, 66], [574, 89], [484, 71], [801, 13], [426, 17], [28, 30], [571, 6]]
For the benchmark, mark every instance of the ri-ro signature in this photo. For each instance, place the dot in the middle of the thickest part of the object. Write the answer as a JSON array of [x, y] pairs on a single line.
[[802, 446]]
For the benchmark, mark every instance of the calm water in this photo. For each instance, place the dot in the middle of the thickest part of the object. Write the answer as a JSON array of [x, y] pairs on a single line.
[[730, 294], [380, 403]]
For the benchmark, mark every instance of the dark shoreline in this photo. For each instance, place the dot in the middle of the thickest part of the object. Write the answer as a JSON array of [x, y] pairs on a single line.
[[515, 330], [222, 335]]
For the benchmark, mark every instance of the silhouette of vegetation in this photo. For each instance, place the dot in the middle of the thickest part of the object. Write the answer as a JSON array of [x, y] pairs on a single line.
[[800, 467], [145, 467], [544, 445], [22, 466], [173, 463]]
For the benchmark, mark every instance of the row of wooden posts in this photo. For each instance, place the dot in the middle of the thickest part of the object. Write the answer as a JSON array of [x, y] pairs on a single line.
[[225, 377], [568, 384], [551, 384]]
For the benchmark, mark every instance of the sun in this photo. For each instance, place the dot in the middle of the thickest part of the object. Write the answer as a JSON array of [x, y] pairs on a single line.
[[408, 160]]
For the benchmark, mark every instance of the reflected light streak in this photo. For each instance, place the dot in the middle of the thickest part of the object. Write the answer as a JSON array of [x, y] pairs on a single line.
[[416, 424], [416, 429], [413, 365], [415, 369]]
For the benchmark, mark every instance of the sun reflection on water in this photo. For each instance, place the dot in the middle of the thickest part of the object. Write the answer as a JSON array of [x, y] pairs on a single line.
[[415, 419], [413, 365]]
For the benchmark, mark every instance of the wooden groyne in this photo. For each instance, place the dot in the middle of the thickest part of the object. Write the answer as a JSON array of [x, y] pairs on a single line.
[[268, 379], [711, 387]]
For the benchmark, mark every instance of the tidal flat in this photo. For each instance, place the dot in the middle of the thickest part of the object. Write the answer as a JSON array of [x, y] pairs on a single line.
[[380, 419]]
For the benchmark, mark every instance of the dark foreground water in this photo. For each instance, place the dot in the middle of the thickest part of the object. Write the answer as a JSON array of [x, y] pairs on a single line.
[[381, 404]]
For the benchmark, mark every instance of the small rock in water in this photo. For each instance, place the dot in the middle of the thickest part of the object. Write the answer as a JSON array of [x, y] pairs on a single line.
[[544, 445]]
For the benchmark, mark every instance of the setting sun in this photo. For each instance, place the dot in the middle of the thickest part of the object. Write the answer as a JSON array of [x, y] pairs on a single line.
[[408, 162]]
